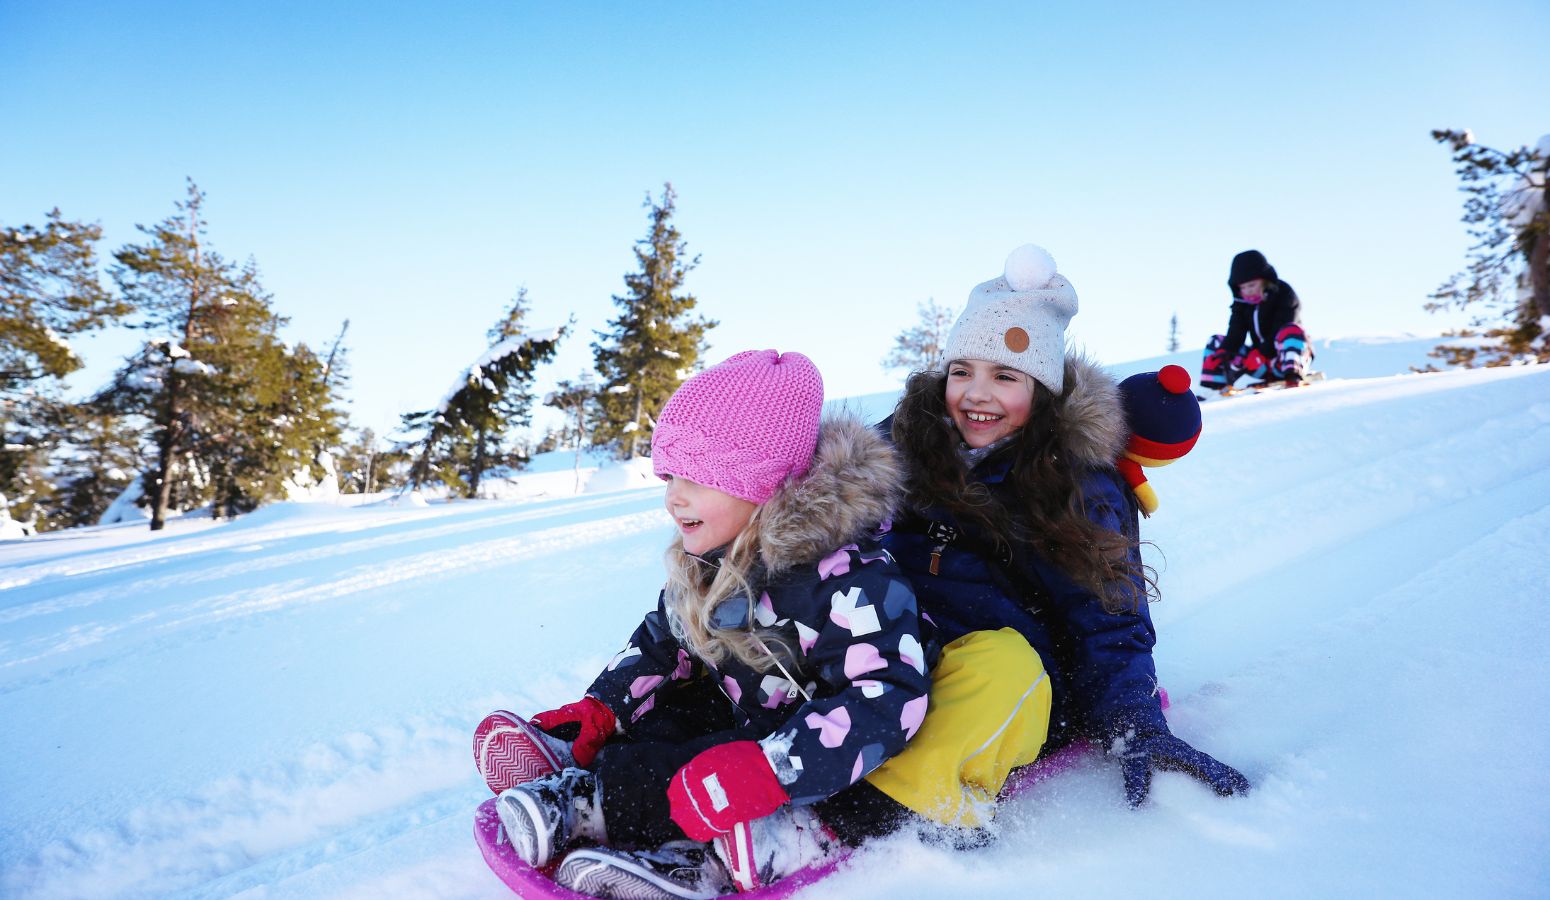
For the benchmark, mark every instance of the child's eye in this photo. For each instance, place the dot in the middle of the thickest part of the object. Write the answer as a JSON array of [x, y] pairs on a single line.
[[958, 373]]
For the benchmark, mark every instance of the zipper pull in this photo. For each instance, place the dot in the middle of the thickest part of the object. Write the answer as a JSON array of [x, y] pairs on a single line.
[[936, 558]]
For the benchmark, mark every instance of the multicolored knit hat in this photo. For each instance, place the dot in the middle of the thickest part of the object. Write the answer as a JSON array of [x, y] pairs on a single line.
[[1019, 320], [742, 426], [1164, 418]]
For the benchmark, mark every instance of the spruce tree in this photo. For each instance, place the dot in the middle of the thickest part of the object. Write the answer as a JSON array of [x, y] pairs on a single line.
[[466, 434], [655, 342], [1173, 334], [1507, 281], [920, 347]]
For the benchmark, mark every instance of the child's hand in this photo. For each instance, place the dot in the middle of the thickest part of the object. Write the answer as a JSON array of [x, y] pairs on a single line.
[[722, 786], [1141, 754], [595, 721]]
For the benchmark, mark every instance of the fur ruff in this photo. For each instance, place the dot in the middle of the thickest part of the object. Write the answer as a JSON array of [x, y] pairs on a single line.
[[1092, 421], [855, 483]]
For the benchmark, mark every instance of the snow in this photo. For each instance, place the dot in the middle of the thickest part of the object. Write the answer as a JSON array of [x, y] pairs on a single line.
[[125, 508], [189, 366], [280, 706]]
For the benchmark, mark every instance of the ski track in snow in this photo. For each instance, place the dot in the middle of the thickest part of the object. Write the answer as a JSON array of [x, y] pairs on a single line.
[[1375, 640]]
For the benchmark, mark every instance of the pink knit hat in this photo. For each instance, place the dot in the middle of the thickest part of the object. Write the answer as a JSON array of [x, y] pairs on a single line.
[[743, 425]]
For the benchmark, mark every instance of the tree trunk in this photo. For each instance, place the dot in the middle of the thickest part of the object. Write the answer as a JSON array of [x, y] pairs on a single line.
[[1539, 260], [166, 448], [478, 467], [635, 435]]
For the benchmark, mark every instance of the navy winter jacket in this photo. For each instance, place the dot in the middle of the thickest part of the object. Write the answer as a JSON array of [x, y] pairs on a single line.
[[1100, 663]]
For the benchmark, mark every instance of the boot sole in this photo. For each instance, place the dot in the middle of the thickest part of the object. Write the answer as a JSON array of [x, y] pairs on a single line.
[[598, 873], [526, 828], [508, 753]]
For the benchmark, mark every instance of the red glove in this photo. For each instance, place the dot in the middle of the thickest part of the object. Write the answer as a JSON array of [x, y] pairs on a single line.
[[1253, 361], [595, 720], [1215, 361], [722, 786]]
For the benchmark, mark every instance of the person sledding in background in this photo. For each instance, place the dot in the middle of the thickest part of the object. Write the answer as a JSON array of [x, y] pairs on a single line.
[[1022, 542], [785, 659], [1266, 313]]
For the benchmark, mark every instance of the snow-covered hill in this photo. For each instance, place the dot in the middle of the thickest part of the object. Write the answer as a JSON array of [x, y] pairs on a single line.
[[1354, 579]]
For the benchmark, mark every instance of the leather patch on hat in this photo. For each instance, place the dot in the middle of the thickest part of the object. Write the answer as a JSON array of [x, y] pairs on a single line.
[[1016, 339]]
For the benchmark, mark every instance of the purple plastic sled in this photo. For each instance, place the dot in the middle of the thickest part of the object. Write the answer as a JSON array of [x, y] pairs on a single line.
[[535, 884]]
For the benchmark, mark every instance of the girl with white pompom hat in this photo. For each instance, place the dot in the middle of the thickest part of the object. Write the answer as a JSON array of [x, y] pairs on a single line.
[[1022, 543]]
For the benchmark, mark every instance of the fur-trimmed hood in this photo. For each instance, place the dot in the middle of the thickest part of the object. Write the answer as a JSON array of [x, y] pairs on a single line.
[[1093, 431], [856, 482]]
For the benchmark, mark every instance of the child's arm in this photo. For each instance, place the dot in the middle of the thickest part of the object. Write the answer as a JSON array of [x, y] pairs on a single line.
[[652, 658], [1113, 680], [867, 651], [864, 643]]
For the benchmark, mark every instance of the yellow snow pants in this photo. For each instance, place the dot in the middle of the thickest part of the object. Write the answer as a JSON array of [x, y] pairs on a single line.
[[988, 714]]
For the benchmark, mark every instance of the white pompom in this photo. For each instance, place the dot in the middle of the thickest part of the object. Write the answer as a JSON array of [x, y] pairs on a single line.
[[1029, 268]]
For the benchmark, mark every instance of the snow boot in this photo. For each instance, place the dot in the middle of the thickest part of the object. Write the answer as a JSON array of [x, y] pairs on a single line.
[[763, 851], [542, 817], [508, 750], [679, 870]]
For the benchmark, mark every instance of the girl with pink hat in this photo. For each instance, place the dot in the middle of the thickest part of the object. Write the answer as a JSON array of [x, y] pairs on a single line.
[[783, 663]]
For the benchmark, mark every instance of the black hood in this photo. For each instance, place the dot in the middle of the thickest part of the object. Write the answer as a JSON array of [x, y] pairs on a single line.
[[1247, 266]]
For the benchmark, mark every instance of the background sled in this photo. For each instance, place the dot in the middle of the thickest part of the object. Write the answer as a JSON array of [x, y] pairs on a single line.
[[536, 884], [1258, 387]]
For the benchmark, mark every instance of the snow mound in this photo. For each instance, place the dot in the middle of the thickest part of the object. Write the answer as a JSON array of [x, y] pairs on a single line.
[[623, 476]]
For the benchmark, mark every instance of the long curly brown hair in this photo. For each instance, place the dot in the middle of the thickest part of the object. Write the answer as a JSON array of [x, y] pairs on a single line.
[[1049, 520]]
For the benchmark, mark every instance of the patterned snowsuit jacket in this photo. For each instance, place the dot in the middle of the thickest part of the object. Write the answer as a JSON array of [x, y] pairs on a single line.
[[831, 594]]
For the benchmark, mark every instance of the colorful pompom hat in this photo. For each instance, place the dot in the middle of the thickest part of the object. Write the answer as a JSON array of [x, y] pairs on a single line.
[[1164, 418]]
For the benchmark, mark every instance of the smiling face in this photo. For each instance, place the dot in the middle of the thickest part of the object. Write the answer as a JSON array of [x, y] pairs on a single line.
[[1252, 290], [987, 402], [705, 517]]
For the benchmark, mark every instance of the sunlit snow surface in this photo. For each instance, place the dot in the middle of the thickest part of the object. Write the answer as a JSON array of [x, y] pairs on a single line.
[[1356, 584]]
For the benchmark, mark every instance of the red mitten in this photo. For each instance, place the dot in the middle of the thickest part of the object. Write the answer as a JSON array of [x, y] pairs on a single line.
[[595, 720], [722, 786], [1214, 361], [1253, 361]]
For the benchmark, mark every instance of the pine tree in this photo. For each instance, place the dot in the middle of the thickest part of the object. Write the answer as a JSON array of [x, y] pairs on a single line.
[[920, 347], [655, 342], [1507, 212], [466, 434], [1173, 334], [27, 482], [49, 291], [283, 416], [233, 412], [365, 466], [99, 457]]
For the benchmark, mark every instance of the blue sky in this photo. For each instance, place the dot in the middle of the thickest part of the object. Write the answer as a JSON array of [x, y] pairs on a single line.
[[408, 166]]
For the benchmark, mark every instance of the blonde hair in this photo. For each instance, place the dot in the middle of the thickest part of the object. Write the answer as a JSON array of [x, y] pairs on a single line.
[[697, 588]]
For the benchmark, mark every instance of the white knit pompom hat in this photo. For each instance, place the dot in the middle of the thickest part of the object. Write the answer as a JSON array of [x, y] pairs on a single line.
[[1019, 320]]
